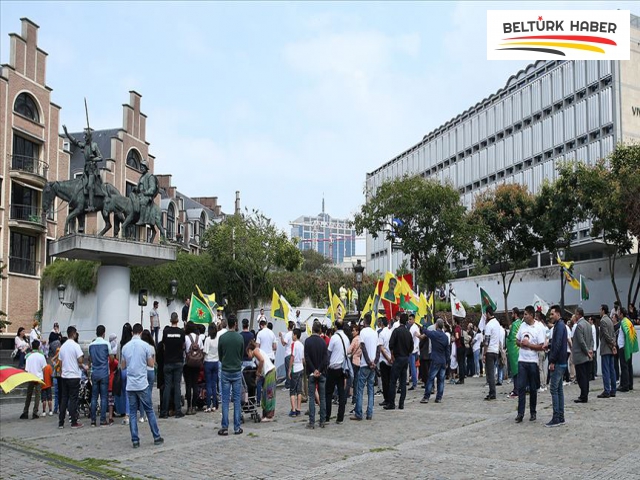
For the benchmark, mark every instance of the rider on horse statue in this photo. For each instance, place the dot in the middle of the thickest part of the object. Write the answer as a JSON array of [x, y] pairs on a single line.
[[91, 180]]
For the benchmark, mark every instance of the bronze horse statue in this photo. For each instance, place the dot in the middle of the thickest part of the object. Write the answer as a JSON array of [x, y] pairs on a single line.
[[129, 209], [71, 191]]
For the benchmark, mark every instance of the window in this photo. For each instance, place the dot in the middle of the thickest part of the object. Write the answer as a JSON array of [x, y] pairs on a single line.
[[171, 222], [202, 225], [22, 254], [24, 202], [25, 155], [25, 105], [133, 159]]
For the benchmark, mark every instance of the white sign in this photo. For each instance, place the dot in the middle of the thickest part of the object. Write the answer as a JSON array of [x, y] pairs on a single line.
[[558, 34]]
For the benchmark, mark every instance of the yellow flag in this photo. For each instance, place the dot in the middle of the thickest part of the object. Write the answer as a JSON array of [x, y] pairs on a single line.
[[210, 300], [338, 308], [330, 311], [391, 288], [571, 280], [565, 265], [278, 308], [368, 307], [309, 331]]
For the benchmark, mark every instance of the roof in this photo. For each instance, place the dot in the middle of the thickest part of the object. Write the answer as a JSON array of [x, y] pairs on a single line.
[[102, 138]]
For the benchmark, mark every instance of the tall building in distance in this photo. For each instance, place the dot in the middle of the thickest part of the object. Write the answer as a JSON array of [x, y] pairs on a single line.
[[334, 238], [547, 113]]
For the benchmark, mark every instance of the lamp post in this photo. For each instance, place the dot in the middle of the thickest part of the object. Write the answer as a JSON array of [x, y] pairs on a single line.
[[561, 254], [358, 269], [61, 288], [173, 291]]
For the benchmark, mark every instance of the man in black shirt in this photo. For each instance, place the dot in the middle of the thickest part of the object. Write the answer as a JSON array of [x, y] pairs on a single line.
[[185, 311], [247, 336], [316, 357], [401, 346], [173, 342]]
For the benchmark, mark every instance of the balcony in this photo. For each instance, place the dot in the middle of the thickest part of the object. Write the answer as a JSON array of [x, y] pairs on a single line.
[[24, 266], [27, 217], [29, 169]]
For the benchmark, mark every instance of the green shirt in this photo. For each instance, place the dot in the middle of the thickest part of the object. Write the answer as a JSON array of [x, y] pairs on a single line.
[[230, 350]]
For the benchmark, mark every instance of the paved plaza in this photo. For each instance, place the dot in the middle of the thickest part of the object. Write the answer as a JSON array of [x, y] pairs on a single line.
[[462, 438]]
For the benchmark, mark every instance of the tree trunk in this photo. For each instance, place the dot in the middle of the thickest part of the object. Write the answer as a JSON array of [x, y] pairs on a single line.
[[612, 274], [252, 302], [631, 297], [505, 294]]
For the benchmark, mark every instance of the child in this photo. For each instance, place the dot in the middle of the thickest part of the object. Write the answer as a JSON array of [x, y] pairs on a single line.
[[47, 389], [113, 365]]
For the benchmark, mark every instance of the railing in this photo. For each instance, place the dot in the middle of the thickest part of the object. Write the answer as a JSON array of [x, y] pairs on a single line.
[[27, 213], [30, 165], [26, 266]]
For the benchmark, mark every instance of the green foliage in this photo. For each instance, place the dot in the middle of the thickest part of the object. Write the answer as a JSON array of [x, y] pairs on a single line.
[[313, 261], [433, 224], [188, 269], [244, 249], [82, 274], [504, 218]]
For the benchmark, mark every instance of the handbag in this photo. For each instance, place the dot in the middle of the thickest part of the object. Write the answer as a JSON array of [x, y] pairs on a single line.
[[347, 368]]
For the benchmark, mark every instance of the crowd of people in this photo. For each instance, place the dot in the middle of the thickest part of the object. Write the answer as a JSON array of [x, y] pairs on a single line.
[[225, 363]]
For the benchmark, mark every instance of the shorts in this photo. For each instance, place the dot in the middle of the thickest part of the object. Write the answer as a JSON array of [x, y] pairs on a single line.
[[295, 384], [45, 395], [110, 399]]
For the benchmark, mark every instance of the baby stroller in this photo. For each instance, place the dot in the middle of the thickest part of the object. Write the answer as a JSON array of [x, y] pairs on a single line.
[[248, 398], [84, 396]]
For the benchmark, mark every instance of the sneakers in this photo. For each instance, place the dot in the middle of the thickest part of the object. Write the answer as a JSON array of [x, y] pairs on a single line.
[[76, 425], [141, 419], [424, 400], [355, 417], [553, 423], [136, 444], [293, 413], [309, 426], [125, 421], [158, 441], [50, 413], [604, 395], [513, 395], [93, 424], [438, 400]]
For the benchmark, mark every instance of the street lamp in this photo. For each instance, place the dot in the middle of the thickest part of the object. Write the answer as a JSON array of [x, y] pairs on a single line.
[[61, 288], [358, 269], [561, 254], [173, 289]]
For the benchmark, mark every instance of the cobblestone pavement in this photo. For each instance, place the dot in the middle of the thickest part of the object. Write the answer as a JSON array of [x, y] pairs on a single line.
[[462, 438]]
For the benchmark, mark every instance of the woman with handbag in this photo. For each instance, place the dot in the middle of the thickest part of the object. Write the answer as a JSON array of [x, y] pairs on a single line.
[[21, 347]]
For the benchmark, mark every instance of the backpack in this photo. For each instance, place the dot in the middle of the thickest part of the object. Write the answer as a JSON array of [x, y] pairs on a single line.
[[195, 355]]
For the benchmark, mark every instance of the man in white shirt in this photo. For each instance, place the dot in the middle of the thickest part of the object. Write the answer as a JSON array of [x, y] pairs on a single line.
[[385, 360], [72, 360], [367, 373], [531, 340], [295, 369], [266, 341], [35, 365], [477, 343], [493, 332], [154, 321], [287, 340], [414, 330], [261, 317], [338, 348]]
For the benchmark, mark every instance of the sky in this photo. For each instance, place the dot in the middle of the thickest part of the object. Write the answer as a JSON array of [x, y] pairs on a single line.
[[286, 102]]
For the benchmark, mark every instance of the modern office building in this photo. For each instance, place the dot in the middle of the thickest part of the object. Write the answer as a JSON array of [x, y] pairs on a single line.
[[334, 238], [547, 113]]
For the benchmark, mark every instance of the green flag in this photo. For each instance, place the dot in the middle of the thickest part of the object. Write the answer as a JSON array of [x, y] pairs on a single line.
[[513, 350], [584, 291], [486, 301], [630, 338], [199, 312]]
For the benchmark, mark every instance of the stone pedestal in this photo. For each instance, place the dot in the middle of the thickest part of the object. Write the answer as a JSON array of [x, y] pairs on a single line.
[[112, 296]]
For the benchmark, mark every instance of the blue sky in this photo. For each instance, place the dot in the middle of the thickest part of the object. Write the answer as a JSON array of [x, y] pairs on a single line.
[[285, 102]]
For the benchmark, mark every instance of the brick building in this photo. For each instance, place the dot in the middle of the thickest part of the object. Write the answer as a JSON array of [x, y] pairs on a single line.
[[32, 154]]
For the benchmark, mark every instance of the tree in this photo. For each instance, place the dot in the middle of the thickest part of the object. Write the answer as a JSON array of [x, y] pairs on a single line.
[[504, 218], [426, 217], [246, 247], [313, 261]]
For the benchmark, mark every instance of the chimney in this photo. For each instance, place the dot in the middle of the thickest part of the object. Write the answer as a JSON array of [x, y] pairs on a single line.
[[237, 209]]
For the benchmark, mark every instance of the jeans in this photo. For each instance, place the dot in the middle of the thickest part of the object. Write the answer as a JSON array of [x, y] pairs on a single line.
[[172, 375], [191, 385], [398, 372], [608, 374], [366, 376], [437, 370], [151, 376], [353, 382], [582, 377], [476, 362], [335, 378], [140, 400], [231, 381], [56, 394], [321, 382], [99, 386], [69, 388], [123, 394], [557, 391], [385, 378], [500, 373], [211, 379], [412, 368], [527, 377], [490, 370], [156, 331], [287, 382]]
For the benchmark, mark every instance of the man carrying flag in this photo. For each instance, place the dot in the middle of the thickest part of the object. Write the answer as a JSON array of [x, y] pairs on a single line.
[[627, 345]]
